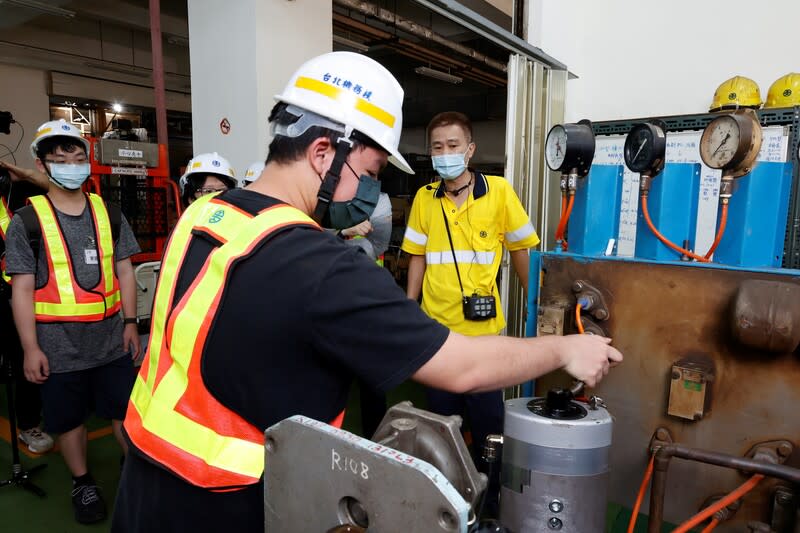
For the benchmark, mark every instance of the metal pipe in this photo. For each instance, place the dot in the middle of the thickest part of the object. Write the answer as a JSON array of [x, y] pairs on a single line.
[[405, 47], [458, 13], [389, 17], [667, 452], [158, 75]]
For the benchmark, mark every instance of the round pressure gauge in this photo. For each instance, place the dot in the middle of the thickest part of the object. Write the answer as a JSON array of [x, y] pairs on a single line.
[[570, 148], [731, 142], [646, 147]]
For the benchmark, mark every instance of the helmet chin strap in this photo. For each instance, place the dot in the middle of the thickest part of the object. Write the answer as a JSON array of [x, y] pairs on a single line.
[[331, 181]]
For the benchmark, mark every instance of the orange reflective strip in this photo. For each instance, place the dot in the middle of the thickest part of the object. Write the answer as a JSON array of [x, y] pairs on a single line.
[[178, 409], [62, 299]]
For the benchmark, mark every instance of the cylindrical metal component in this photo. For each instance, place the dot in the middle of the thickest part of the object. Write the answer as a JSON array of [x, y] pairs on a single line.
[[766, 315], [555, 466]]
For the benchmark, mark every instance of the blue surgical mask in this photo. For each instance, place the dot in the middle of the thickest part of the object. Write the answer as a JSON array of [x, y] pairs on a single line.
[[449, 166], [69, 176]]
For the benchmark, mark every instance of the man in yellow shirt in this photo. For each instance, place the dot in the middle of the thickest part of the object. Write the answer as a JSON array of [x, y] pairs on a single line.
[[455, 235]]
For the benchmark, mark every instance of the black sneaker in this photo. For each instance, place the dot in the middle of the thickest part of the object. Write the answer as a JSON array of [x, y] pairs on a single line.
[[88, 504]]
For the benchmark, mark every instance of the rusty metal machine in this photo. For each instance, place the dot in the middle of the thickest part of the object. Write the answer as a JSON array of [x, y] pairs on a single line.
[[690, 264]]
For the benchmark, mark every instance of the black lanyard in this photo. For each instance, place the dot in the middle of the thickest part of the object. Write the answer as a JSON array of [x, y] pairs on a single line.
[[452, 249]]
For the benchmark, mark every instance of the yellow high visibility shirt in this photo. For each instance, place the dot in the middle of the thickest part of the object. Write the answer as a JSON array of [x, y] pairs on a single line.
[[492, 217]]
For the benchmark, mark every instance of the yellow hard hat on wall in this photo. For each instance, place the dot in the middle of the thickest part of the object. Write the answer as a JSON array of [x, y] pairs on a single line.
[[736, 92], [785, 92]]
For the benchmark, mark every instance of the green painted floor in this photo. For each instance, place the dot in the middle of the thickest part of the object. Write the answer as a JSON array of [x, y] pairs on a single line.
[[23, 512]]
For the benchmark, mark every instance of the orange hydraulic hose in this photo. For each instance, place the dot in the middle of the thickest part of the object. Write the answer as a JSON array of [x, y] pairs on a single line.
[[663, 239], [743, 489], [648, 473], [578, 320], [563, 205], [711, 525], [562, 224], [723, 219]]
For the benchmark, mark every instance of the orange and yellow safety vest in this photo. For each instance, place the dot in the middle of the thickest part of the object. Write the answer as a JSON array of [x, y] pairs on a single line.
[[62, 299], [172, 417]]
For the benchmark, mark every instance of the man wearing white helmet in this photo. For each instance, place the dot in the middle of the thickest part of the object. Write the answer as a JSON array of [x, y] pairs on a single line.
[[252, 174], [260, 315], [206, 174], [68, 254]]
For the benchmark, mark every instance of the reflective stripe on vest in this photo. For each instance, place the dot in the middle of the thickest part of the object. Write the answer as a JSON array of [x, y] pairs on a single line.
[[62, 299], [172, 418], [5, 220]]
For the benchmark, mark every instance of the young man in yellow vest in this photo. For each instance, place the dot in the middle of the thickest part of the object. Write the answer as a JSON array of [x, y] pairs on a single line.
[[72, 276], [260, 315], [455, 235], [28, 401]]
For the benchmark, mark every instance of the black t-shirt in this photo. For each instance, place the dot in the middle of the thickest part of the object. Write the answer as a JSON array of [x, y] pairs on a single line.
[[300, 317]]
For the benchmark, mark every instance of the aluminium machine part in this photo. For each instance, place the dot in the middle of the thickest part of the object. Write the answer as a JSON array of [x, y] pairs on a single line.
[[353, 481], [555, 464]]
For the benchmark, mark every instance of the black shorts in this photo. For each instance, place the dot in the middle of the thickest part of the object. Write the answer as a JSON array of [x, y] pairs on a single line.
[[70, 397]]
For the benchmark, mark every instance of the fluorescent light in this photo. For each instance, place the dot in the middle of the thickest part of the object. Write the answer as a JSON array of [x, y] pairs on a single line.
[[42, 7], [117, 108], [438, 75], [350, 43]]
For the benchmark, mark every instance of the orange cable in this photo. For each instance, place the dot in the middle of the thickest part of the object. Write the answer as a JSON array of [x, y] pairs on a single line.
[[663, 239], [562, 224], [723, 219], [578, 320], [711, 525], [743, 489], [648, 473]]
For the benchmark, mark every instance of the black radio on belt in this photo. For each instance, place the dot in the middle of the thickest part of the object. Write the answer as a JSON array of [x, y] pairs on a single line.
[[475, 307], [479, 307]]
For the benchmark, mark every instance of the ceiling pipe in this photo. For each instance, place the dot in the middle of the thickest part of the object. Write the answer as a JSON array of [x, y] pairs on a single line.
[[416, 51], [406, 25]]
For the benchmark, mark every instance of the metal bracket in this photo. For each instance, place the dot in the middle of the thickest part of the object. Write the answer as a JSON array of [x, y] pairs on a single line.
[[771, 451], [596, 303], [661, 437], [435, 439]]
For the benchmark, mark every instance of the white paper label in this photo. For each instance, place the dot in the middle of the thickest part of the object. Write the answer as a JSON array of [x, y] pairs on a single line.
[[129, 171], [90, 254]]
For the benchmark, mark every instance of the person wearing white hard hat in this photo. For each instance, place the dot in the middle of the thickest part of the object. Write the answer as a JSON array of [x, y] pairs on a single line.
[[252, 173], [68, 254], [206, 174], [261, 315]]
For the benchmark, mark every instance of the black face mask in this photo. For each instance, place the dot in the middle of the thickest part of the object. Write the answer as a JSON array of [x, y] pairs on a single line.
[[343, 215]]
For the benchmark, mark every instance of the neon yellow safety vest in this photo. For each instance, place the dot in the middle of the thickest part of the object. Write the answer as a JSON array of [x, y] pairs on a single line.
[[5, 220], [172, 418], [62, 299]]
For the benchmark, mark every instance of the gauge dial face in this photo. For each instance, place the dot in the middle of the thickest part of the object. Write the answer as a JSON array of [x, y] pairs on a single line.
[[720, 142], [644, 148], [556, 147]]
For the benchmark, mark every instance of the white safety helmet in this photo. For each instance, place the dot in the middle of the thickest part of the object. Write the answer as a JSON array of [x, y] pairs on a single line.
[[252, 174], [57, 128], [355, 91], [212, 163]]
